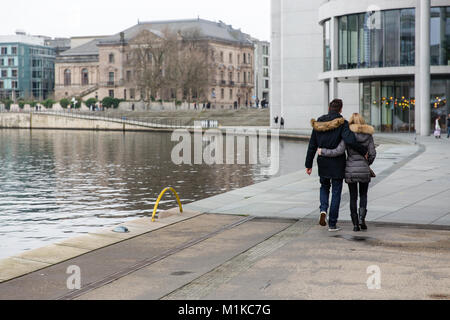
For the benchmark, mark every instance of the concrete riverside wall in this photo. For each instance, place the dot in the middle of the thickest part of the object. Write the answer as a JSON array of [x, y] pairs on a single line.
[[43, 121]]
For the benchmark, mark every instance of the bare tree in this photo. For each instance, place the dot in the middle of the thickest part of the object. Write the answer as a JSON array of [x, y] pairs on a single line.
[[170, 63]]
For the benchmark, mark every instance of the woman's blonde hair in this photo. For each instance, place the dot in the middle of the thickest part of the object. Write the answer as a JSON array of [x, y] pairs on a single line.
[[356, 118]]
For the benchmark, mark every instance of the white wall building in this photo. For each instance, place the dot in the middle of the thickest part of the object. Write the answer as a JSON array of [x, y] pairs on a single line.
[[262, 71], [389, 60]]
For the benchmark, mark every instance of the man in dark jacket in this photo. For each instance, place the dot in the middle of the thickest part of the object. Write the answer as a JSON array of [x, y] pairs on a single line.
[[329, 131]]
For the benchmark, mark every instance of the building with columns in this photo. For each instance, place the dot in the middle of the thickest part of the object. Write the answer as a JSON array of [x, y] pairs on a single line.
[[99, 67], [388, 60]]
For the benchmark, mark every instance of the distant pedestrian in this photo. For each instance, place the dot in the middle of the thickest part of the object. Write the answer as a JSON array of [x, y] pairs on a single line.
[[132, 107], [282, 123], [276, 119], [235, 105], [257, 102], [437, 128], [448, 127]]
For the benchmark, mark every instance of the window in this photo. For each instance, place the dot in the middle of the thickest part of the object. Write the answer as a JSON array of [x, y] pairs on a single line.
[[111, 93], [14, 50], [37, 74], [231, 58], [2, 85], [245, 58], [392, 38], [84, 77], [407, 37], [4, 73], [222, 93], [231, 94], [377, 39], [132, 93], [249, 77], [111, 58], [2, 63], [326, 46], [266, 84], [14, 73], [239, 58], [128, 75], [67, 77], [111, 79], [14, 84], [266, 62], [249, 58], [440, 36], [266, 72], [230, 76], [239, 77], [4, 50], [11, 62], [221, 56]]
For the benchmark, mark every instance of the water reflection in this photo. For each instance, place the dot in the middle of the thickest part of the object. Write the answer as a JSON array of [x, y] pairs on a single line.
[[58, 184]]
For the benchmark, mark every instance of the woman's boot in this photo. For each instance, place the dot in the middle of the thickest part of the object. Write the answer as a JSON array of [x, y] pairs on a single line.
[[362, 218], [355, 220]]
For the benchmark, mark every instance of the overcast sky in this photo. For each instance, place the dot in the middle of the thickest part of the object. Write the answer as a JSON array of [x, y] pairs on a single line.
[[63, 18]]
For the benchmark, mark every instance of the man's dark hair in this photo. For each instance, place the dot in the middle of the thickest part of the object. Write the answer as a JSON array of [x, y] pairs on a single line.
[[336, 105]]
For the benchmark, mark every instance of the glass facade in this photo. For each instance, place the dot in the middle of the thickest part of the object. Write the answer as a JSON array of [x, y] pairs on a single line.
[[389, 105], [377, 39], [440, 36], [26, 71], [440, 90]]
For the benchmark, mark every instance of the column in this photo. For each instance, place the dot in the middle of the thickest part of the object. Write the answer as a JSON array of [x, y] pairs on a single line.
[[424, 68], [334, 45]]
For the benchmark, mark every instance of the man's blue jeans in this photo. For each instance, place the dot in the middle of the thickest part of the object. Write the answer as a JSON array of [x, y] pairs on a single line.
[[336, 186], [448, 132]]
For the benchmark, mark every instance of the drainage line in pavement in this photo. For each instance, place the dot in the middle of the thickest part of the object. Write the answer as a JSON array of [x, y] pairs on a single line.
[[113, 277]]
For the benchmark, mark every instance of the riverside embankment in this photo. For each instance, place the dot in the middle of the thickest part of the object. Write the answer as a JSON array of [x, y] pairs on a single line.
[[271, 246]]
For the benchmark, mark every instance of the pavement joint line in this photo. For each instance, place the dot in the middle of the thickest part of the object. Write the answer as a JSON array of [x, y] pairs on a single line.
[[447, 214], [145, 263], [210, 281], [32, 260], [412, 204]]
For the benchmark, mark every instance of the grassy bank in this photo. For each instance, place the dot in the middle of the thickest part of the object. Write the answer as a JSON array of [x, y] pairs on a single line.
[[244, 117]]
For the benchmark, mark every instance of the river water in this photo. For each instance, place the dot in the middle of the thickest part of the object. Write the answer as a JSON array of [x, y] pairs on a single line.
[[56, 185]]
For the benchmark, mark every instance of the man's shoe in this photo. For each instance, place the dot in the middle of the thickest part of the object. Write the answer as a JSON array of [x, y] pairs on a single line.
[[323, 219], [334, 229]]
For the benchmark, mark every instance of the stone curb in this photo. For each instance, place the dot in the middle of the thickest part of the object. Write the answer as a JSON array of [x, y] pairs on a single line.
[[41, 258]]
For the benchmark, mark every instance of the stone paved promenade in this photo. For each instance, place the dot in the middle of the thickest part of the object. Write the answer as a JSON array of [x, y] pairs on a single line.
[[264, 242]]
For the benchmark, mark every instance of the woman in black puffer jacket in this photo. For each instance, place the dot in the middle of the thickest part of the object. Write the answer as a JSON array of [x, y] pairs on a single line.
[[357, 170]]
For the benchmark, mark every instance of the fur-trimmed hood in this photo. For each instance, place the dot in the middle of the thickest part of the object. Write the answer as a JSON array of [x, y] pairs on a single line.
[[362, 128], [327, 125]]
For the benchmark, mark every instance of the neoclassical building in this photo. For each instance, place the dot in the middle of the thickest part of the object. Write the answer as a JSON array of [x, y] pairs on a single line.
[[389, 60], [99, 68]]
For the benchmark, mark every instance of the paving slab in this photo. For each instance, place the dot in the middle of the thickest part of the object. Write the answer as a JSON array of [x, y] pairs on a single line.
[[50, 283], [167, 275]]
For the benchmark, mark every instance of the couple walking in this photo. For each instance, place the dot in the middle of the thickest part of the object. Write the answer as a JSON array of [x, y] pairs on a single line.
[[331, 138]]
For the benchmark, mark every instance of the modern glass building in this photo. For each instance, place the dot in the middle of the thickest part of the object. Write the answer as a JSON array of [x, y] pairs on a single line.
[[382, 47], [27, 67], [389, 60]]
